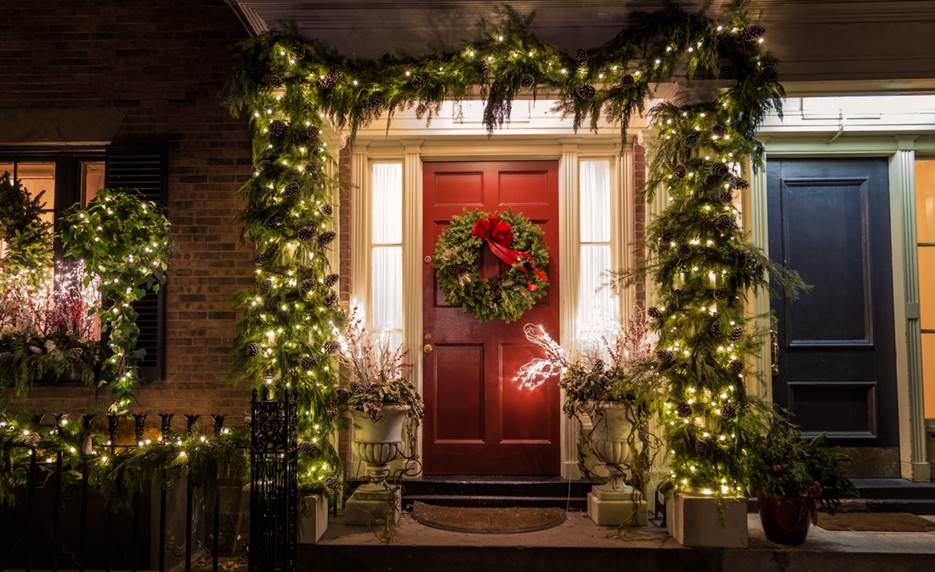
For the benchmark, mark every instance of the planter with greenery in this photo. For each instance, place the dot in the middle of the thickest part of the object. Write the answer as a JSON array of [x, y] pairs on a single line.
[[614, 391], [385, 410], [793, 477]]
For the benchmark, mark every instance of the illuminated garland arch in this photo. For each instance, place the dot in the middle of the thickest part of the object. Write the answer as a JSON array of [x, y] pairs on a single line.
[[290, 87]]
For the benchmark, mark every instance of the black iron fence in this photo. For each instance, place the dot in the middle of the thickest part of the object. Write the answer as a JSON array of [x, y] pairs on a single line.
[[60, 520]]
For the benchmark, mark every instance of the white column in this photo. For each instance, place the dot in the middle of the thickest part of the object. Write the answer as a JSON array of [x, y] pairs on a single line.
[[622, 199], [413, 263], [360, 226], [755, 222], [902, 183], [568, 233]]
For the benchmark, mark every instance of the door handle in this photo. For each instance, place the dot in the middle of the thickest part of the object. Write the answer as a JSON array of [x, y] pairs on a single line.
[[774, 351], [427, 348]]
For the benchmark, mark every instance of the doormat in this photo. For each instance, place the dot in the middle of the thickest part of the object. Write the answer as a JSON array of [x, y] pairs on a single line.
[[487, 520], [875, 521]]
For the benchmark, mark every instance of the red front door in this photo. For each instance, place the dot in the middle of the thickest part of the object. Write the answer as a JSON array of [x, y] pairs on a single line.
[[476, 419]]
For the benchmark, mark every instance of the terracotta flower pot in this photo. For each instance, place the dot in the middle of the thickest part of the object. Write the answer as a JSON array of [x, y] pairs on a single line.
[[785, 520]]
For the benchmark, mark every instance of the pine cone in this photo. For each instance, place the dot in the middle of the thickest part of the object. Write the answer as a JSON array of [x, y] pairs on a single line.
[[736, 334], [654, 313], [581, 57], [274, 80], [751, 33], [332, 484], [692, 139], [308, 285], [701, 448], [720, 293], [684, 252], [627, 81], [331, 299], [726, 197], [252, 349], [376, 99], [306, 233], [585, 92], [528, 81], [724, 222], [331, 280], [292, 189], [331, 346], [277, 129], [683, 410], [259, 259], [267, 283], [326, 238], [308, 362], [679, 171], [739, 183], [665, 357], [735, 366], [327, 81], [298, 52], [312, 132], [326, 209], [718, 130], [729, 411], [720, 169], [417, 81], [715, 329]]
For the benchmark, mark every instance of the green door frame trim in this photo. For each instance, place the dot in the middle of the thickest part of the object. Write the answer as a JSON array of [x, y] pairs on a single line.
[[900, 150]]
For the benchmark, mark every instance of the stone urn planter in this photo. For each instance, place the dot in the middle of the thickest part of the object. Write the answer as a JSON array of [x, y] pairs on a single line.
[[785, 520], [614, 503], [377, 443]]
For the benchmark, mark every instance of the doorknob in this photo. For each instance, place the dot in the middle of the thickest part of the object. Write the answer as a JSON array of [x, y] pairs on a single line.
[[774, 351], [427, 349]]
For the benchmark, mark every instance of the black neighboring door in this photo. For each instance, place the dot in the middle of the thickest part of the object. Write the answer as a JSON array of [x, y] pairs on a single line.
[[830, 220]]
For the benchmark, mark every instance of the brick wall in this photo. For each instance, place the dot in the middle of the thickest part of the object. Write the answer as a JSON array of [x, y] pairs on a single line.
[[639, 218], [164, 64]]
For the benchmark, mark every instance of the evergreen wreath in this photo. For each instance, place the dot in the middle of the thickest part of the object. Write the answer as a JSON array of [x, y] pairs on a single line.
[[507, 296]]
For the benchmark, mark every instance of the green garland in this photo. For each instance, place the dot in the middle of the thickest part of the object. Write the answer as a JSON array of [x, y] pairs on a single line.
[[457, 263], [27, 359], [117, 472], [289, 87], [124, 242], [28, 252]]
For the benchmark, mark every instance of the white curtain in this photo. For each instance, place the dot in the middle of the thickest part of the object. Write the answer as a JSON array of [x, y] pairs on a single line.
[[386, 268], [598, 307]]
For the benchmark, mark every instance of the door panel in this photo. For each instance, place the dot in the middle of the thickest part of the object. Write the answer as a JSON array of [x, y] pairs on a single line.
[[829, 220], [477, 420]]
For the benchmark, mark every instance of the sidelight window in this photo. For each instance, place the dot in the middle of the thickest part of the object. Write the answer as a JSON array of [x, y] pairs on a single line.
[[386, 254]]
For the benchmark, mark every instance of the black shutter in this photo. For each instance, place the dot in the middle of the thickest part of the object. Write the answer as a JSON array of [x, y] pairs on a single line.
[[146, 170]]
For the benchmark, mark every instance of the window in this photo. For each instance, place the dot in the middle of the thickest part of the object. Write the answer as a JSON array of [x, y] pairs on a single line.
[[386, 250], [925, 229], [598, 310]]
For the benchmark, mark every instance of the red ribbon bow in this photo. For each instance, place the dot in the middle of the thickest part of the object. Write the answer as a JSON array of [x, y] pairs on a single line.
[[499, 236]]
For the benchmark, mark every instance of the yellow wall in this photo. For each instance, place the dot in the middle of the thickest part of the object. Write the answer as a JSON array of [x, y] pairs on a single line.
[[925, 224]]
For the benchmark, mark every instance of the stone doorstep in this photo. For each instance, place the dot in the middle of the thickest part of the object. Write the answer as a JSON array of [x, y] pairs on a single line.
[[579, 544]]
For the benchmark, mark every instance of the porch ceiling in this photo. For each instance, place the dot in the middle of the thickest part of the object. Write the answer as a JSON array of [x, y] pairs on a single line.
[[861, 45]]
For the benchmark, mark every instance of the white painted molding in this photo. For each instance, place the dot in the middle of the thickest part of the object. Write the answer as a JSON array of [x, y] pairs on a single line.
[[412, 265]]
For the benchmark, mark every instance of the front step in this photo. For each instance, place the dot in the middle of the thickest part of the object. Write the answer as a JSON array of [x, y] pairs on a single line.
[[486, 491], [886, 495]]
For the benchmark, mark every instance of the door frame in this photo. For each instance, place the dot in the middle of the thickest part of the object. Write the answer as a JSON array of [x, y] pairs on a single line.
[[899, 150], [567, 148]]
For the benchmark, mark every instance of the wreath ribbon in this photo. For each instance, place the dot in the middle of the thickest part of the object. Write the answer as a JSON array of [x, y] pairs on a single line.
[[499, 236]]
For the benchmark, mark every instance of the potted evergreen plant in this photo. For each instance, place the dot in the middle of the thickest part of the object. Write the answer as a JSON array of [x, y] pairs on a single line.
[[614, 390], [385, 408], [793, 477]]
